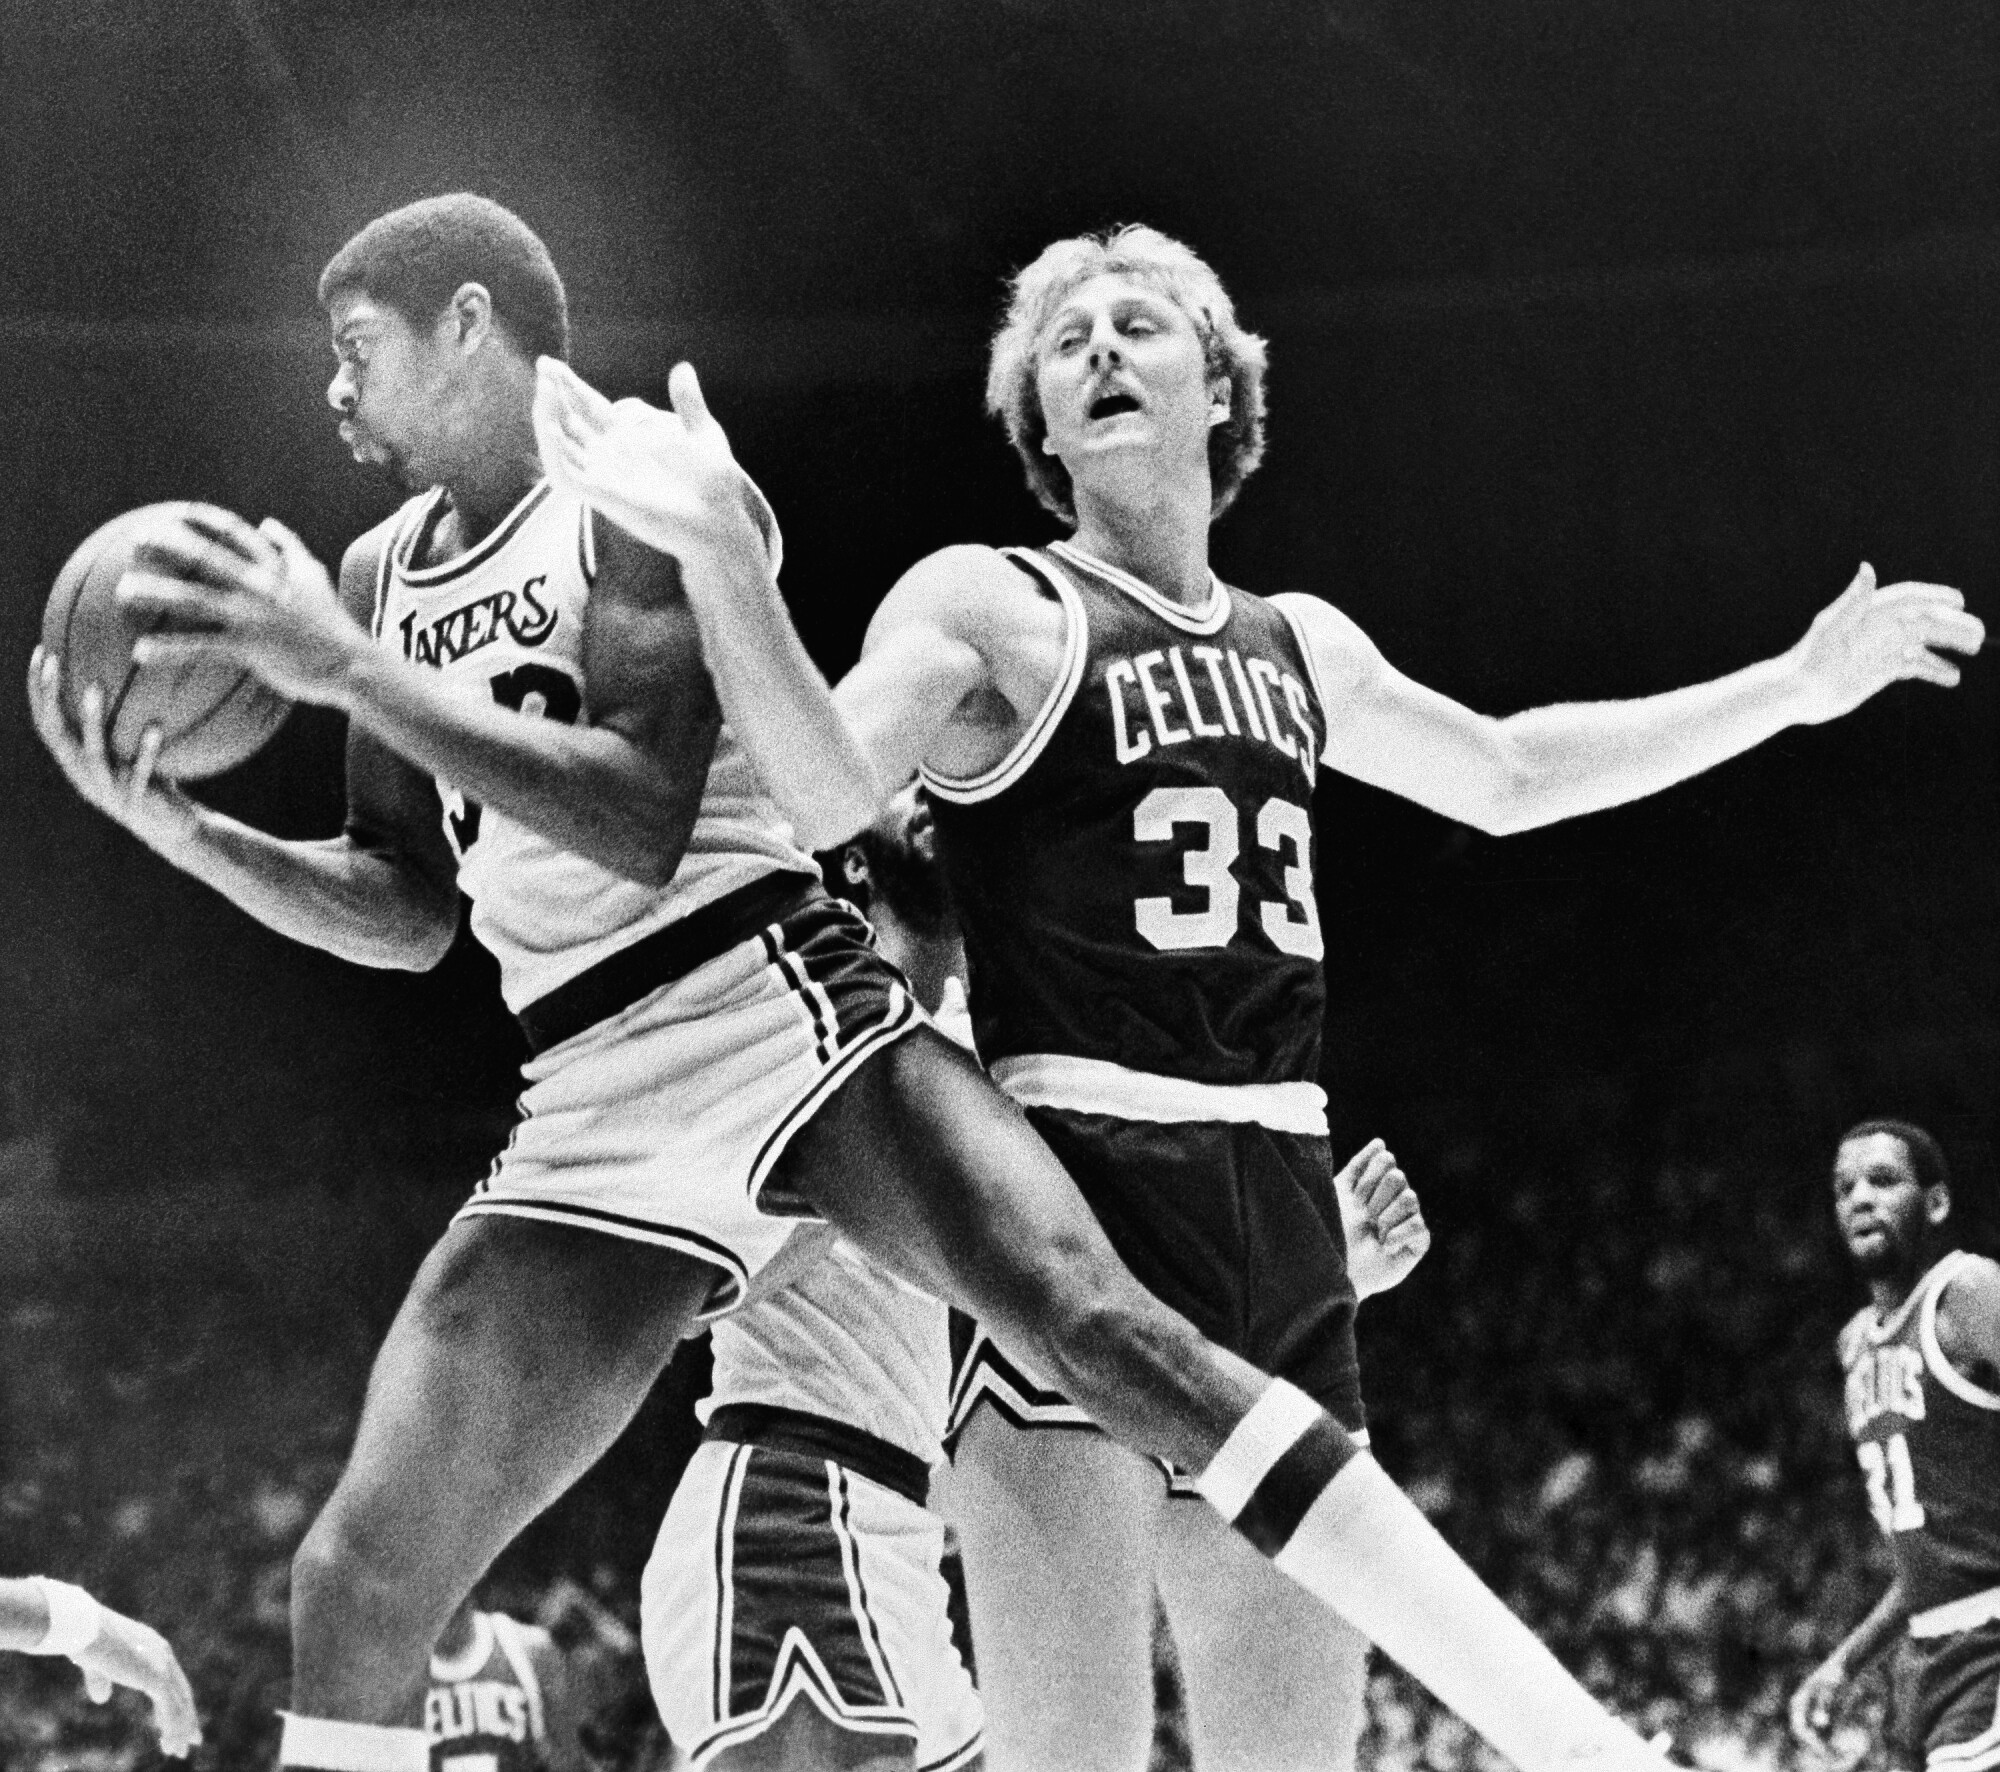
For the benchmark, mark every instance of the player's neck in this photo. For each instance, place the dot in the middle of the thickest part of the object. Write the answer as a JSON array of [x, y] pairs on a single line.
[[486, 489], [1891, 1292], [1163, 542]]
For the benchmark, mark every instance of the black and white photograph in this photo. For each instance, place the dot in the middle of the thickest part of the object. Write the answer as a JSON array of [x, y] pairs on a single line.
[[1000, 886]]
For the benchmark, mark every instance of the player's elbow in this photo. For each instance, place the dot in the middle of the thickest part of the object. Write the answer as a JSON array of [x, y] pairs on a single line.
[[1506, 793]]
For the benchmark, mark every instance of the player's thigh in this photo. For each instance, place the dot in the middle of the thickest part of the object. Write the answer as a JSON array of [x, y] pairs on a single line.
[[1057, 1530], [521, 1352], [924, 1164], [1275, 1682]]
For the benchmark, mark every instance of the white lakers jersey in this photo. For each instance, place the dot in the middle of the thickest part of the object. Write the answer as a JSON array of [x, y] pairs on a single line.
[[504, 621], [845, 1339]]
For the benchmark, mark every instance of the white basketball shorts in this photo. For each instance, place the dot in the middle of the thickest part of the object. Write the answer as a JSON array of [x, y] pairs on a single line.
[[661, 1122]]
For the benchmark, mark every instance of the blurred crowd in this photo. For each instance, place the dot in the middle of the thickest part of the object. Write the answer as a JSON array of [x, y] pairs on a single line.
[[1611, 1384]]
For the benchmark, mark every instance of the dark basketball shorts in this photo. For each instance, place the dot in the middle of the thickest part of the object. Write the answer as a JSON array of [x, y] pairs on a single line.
[[1957, 1699], [780, 1575], [1237, 1226], [662, 1120]]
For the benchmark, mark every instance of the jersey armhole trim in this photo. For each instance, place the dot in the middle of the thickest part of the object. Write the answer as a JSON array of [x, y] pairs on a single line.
[[507, 1633], [1312, 676], [963, 790], [1941, 1368], [401, 530], [586, 543]]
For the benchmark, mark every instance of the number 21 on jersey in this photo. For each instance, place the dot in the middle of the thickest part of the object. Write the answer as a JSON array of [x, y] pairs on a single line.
[[1892, 1484], [1281, 825]]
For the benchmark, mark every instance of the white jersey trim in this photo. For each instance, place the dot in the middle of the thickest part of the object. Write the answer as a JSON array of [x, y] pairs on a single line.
[[1966, 1613], [964, 789], [478, 1652], [511, 1637], [1941, 1368], [1312, 676], [1096, 1086], [488, 545], [1206, 620]]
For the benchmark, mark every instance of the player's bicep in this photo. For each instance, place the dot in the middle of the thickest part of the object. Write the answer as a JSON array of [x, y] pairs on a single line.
[[642, 657], [1395, 733], [928, 660]]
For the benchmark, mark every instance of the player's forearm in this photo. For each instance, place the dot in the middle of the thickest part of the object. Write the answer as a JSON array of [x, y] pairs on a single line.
[[1886, 1621], [24, 1614], [334, 895], [1559, 762], [777, 702], [586, 789]]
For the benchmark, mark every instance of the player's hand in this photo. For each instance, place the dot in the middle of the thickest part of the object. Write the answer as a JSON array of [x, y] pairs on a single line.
[[128, 1653], [155, 811], [1873, 635], [670, 478], [255, 595], [1816, 1705], [1386, 1233]]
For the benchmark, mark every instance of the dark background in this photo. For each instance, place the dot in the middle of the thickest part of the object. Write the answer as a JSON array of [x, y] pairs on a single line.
[[1607, 338]]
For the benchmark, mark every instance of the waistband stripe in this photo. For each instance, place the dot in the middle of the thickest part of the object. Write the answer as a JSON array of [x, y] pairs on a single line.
[[1958, 1615], [1096, 1086]]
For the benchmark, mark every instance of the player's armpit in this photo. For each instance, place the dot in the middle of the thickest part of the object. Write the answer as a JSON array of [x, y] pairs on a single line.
[[960, 655]]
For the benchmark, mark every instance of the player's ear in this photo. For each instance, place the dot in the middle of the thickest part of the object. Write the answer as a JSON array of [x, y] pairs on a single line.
[[1937, 1203], [854, 866], [470, 316], [1218, 401]]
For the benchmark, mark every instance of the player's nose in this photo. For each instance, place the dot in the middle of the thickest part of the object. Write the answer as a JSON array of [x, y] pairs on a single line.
[[340, 391]]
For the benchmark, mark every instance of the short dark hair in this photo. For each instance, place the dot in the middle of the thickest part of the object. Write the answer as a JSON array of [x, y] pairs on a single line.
[[415, 259], [1926, 1156]]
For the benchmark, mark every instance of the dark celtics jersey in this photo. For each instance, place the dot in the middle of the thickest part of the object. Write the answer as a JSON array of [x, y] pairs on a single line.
[[1135, 878], [1929, 1443], [483, 1710]]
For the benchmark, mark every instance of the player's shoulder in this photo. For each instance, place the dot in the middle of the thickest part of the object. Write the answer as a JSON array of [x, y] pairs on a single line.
[[361, 563], [1972, 1284], [975, 596], [1854, 1333], [1341, 652]]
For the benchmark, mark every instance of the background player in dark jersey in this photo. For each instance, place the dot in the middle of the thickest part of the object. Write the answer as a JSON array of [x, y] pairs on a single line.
[[1130, 750], [1922, 1365], [718, 1046]]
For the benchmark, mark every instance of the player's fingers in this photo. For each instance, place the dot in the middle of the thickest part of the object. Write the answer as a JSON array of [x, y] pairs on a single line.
[[1381, 1182], [1926, 667], [684, 390], [90, 723], [1350, 1171], [179, 649], [96, 1684], [591, 408], [225, 529], [142, 766], [1924, 589], [1954, 630], [1397, 1209]]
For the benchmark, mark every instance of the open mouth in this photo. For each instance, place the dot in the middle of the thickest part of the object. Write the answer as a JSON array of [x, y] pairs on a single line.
[[1112, 404]]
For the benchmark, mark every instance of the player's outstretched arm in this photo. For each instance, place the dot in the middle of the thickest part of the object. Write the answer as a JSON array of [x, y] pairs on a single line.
[[1386, 1233], [43, 1617], [614, 787], [1815, 1706], [382, 894], [1534, 768]]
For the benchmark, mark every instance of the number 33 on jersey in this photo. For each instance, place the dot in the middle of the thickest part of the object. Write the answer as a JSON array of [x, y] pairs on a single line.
[[1135, 877]]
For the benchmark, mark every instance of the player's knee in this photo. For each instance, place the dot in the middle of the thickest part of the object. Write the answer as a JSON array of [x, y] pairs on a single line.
[[343, 1573]]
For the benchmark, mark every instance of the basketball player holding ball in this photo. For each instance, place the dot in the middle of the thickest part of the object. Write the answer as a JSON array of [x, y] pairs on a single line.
[[718, 1049]]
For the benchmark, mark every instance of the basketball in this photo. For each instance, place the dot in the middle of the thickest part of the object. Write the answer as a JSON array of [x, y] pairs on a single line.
[[211, 712]]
